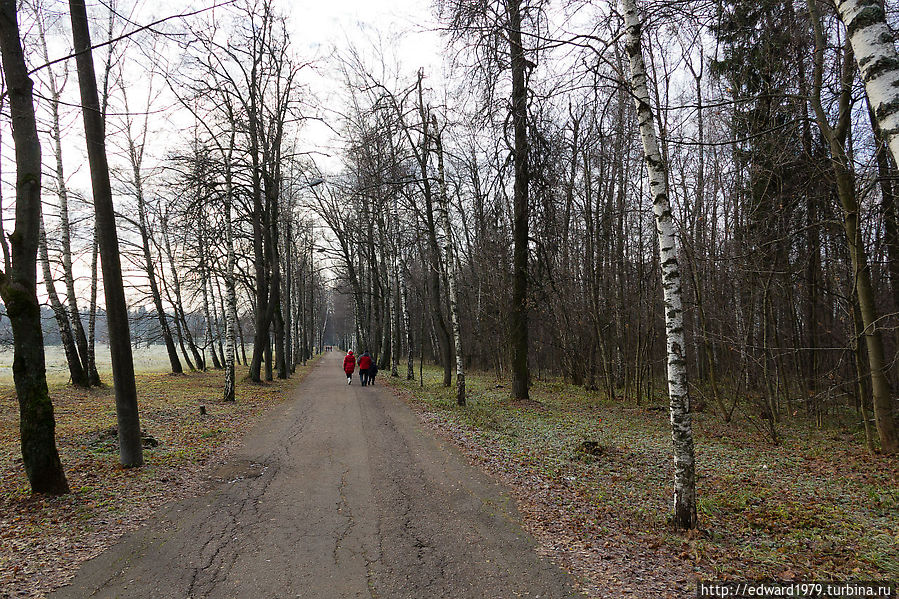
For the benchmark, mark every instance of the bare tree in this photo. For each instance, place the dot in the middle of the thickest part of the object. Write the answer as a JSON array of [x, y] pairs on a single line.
[[62, 191], [449, 260], [130, 448], [18, 284], [836, 137], [519, 308], [681, 426], [136, 145]]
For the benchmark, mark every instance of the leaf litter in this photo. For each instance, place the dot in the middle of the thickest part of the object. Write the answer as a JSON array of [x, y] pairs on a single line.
[[593, 482]]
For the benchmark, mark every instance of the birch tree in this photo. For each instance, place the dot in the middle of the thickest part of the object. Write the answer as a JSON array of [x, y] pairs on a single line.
[[836, 136], [407, 320], [231, 296], [875, 53], [681, 427], [449, 261]]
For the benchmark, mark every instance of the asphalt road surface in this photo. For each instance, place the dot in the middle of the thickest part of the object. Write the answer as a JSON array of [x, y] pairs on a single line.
[[337, 493]]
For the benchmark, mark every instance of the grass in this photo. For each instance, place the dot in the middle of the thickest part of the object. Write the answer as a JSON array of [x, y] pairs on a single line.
[[815, 507], [42, 539], [147, 359]]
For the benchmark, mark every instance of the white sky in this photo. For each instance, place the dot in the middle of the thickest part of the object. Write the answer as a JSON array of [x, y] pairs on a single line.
[[406, 29]]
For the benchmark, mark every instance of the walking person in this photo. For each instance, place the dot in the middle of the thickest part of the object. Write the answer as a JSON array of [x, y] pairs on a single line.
[[349, 365], [372, 372], [364, 366]]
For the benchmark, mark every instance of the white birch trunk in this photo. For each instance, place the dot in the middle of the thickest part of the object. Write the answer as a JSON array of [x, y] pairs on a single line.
[[873, 45], [391, 328], [231, 313], [398, 303], [875, 52], [681, 427], [395, 345], [449, 261], [92, 309], [215, 289], [207, 314], [407, 323], [356, 320]]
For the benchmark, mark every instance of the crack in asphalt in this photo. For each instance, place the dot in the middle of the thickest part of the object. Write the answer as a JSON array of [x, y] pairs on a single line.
[[344, 496], [344, 510], [205, 578], [222, 540]]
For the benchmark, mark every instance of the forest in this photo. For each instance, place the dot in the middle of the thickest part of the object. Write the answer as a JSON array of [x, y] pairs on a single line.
[[685, 203]]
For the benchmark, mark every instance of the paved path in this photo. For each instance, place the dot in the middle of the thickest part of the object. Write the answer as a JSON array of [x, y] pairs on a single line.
[[338, 493]]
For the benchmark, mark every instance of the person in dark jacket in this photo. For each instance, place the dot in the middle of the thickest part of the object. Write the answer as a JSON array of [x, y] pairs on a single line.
[[372, 372], [349, 365], [364, 366]]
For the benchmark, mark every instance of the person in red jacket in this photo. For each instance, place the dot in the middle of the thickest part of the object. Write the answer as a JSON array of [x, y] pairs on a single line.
[[349, 365], [364, 365]]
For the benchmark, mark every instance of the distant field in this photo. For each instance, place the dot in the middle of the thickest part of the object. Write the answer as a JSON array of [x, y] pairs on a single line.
[[146, 359]]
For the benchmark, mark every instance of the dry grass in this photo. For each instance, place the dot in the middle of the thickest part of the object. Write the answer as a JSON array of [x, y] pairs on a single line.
[[147, 360]]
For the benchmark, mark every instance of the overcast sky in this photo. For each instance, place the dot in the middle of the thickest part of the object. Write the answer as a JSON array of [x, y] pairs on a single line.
[[407, 29]]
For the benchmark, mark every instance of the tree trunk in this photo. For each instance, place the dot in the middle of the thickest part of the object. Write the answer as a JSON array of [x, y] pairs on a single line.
[[74, 315], [182, 328], [434, 273], [280, 335], [149, 265], [875, 52], [180, 335], [845, 180], [267, 354], [231, 315], [883, 399], [243, 344], [681, 426], [218, 304], [886, 170], [519, 309], [76, 369], [275, 317], [130, 449], [260, 253], [204, 280], [260, 337], [395, 345], [92, 314], [861, 374], [18, 286], [407, 325], [289, 298], [449, 261]]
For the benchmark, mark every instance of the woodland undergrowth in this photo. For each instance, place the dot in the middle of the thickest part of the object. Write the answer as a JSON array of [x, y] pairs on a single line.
[[593, 480]]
